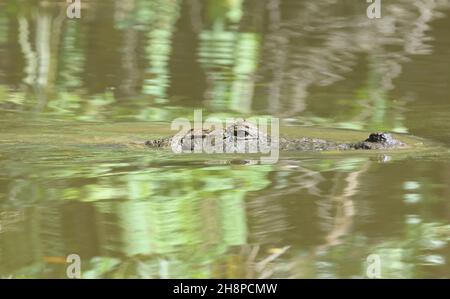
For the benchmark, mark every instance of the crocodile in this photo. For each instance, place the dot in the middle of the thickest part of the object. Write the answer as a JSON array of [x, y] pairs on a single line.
[[249, 133]]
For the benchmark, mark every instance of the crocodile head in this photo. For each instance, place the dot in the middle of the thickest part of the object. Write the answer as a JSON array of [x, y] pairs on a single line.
[[238, 135]]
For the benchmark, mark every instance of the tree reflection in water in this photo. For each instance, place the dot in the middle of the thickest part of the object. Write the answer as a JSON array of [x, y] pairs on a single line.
[[130, 215]]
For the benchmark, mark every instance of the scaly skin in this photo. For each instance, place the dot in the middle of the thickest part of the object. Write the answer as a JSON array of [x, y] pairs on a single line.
[[249, 133]]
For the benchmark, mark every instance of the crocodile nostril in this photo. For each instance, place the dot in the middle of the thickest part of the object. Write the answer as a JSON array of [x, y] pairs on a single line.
[[377, 137]]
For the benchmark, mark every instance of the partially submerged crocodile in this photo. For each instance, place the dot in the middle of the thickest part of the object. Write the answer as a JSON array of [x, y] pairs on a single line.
[[249, 135]]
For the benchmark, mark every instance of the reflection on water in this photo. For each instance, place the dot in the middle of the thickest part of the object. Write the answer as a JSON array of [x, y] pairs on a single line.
[[129, 214], [148, 60], [69, 182]]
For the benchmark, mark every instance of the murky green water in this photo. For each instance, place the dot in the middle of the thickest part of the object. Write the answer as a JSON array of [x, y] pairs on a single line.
[[76, 94]]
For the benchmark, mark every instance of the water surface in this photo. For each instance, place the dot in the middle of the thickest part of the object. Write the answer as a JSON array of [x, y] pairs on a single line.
[[74, 94]]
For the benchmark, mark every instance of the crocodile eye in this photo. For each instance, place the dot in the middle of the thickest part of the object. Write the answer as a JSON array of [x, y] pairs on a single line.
[[246, 133], [240, 133]]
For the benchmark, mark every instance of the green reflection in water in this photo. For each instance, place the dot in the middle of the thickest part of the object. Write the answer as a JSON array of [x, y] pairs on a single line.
[[163, 14], [185, 216], [131, 212]]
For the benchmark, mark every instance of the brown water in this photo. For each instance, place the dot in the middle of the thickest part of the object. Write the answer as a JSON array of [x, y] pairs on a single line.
[[75, 93]]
